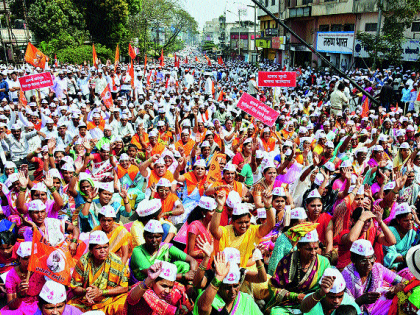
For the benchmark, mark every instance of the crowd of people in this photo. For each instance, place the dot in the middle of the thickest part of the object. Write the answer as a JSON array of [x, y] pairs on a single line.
[[172, 200]]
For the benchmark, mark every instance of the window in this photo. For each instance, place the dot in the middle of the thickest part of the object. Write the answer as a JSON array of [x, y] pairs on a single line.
[[324, 28], [306, 2], [273, 2], [371, 27], [348, 28], [336, 28], [415, 27], [266, 3]]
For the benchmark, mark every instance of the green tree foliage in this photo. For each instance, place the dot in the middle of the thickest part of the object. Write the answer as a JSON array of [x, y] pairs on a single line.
[[208, 45], [398, 16], [80, 54]]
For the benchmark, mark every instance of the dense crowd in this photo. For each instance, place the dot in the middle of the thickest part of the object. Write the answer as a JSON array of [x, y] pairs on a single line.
[[172, 200]]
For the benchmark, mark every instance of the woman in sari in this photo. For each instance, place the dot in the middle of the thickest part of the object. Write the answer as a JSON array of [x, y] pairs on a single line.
[[119, 237], [159, 293], [100, 279], [285, 242], [297, 274], [11, 211], [9, 168], [407, 301], [194, 184], [241, 234], [198, 227], [402, 228], [153, 249], [205, 155], [409, 193], [80, 194], [367, 281], [129, 177], [153, 175], [222, 296], [172, 208], [404, 154], [264, 184], [22, 291], [146, 211]]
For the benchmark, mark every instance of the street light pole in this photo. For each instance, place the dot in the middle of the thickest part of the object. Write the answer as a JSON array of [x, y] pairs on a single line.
[[239, 40]]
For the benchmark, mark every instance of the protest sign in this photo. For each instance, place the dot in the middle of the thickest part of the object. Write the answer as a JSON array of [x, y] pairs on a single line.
[[36, 81], [281, 79], [257, 109]]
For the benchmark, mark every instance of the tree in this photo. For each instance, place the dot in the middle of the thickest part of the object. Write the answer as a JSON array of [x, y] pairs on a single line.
[[398, 16], [80, 54], [208, 45]]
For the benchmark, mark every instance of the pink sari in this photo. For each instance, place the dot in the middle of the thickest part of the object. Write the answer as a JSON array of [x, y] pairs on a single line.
[[197, 228]]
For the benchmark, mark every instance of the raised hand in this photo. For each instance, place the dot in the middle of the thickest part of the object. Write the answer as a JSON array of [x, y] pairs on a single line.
[[267, 198], [205, 246], [23, 179], [221, 266], [378, 211], [221, 198], [154, 271], [48, 181], [326, 284]]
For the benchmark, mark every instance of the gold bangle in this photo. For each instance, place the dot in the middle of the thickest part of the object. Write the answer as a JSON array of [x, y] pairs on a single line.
[[201, 267], [214, 287], [260, 267]]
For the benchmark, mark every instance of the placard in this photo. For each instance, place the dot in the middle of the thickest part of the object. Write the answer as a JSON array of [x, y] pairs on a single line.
[[282, 79], [36, 81], [335, 42], [258, 109]]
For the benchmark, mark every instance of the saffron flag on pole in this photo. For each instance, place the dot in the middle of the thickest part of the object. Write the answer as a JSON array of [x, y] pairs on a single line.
[[107, 97], [117, 56], [22, 98], [55, 60], [186, 60], [145, 64], [35, 57], [54, 262], [162, 63], [131, 51], [196, 59], [94, 56], [131, 73], [365, 108]]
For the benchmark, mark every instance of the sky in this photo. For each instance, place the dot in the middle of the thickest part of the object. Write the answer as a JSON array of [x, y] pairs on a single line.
[[206, 10]]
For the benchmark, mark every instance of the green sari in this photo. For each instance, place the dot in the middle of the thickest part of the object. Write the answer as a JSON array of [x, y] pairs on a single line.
[[141, 259]]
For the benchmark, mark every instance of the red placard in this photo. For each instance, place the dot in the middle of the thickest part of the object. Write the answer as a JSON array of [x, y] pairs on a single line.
[[258, 109], [283, 79], [36, 81]]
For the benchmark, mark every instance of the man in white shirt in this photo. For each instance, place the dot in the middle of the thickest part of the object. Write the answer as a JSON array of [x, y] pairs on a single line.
[[60, 85], [208, 85], [100, 82], [14, 88], [252, 86]]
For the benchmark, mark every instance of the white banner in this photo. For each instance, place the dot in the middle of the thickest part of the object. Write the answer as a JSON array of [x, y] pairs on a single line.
[[335, 42], [411, 50]]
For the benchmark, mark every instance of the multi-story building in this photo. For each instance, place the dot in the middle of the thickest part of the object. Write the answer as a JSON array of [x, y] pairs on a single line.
[[330, 26]]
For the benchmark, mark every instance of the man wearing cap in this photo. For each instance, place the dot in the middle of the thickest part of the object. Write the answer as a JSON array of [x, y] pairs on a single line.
[[252, 86], [100, 279], [330, 295]]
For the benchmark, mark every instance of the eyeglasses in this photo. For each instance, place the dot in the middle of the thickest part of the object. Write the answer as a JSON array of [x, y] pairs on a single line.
[[368, 260]]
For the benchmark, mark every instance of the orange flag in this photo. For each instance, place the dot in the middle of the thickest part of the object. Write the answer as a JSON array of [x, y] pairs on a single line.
[[131, 51], [365, 108], [107, 97], [186, 59], [162, 63], [54, 262], [145, 64], [117, 56], [131, 73], [35, 57], [22, 98], [221, 96], [94, 56], [214, 174], [196, 59]]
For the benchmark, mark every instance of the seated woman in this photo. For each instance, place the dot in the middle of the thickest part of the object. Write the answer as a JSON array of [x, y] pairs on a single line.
[[129, 177], [402, 228], [172, 208], [367, 281], [22, 286], [153, 249], [241, 234], [159, 292], [363, 228], [53, 230], [198, 227], [119, 237], [330, 295], [296, 274], [80, 186], [52, 301], [88, 216], [11, 211], [100, 279], [39, 191], [407, 301], [222, 296], [286, 242], [146, 211]]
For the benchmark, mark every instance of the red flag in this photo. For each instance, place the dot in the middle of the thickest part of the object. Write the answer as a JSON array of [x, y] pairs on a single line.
[[94, 56], [131, 51], [148, 77], [55, 60], [131, 73], [107, 97], [117, 56], [284, 68], [365, 108], [167, 83], [35, 57], [145, 64], [196, 59], [186, 59], [221, 96], [162, 63], [54, 262], [208, 60]]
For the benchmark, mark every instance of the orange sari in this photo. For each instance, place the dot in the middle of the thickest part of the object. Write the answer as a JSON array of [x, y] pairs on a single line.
[[193, 183], [187, 147], [154, 178]]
